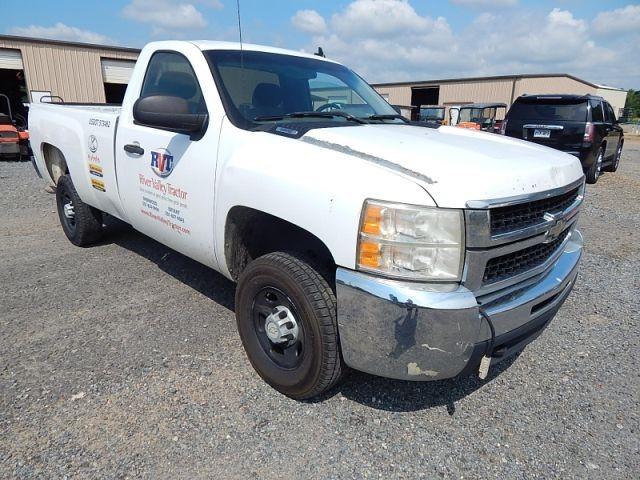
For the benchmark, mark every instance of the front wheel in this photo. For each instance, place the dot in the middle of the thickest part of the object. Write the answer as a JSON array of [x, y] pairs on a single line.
[[286, 315], [594, 171], [81, 223]]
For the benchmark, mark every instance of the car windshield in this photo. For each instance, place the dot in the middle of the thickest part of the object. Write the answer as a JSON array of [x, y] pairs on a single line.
[[549, 109], [431, 113], [477, 115], [261, 87]]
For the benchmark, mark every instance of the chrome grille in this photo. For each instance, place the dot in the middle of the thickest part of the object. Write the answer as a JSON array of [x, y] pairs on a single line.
[[513, 264], [522, 215]]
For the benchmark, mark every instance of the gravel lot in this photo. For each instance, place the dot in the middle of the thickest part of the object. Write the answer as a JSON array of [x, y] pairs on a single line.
[[123, 360]]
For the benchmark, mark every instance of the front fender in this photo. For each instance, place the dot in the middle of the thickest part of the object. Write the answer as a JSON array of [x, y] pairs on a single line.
[[316, 189]]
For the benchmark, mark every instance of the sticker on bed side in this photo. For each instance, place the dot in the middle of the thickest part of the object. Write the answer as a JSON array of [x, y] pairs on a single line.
[[98, 185], [95, 170]]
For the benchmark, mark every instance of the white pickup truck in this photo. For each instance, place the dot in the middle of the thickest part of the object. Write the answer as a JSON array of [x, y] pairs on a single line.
[[356, 238]]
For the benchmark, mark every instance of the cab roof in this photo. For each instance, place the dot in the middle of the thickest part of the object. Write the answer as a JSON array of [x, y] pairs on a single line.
[[250, 47]]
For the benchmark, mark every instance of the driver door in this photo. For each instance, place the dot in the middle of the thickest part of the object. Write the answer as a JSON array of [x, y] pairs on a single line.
[[166, 179]]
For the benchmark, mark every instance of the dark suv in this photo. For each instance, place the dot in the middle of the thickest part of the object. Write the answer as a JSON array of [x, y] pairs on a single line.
[[582, 125]]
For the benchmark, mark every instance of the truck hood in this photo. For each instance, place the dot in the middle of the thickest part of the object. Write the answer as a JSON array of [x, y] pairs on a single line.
[[454, 165]]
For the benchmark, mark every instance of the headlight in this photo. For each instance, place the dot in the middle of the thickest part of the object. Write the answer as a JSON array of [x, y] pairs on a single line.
[[406, 241]]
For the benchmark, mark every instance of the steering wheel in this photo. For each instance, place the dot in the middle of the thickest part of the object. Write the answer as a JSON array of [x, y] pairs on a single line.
[[330, 106]]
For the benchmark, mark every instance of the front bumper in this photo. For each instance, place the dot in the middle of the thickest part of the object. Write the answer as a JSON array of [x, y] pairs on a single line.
[[416, 331]]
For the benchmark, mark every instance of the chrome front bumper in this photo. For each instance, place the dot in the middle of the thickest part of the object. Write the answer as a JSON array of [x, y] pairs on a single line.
[[416, 331]]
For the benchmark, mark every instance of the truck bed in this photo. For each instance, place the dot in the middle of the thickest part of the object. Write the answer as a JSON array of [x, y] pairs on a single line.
[[85, 134]]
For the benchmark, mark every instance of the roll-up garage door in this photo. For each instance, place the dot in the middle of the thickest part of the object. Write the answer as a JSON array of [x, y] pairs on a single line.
[[117, 71], [10, 59]]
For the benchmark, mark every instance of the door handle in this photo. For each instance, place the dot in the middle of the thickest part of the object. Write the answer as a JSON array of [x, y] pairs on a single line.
[[134, 149]]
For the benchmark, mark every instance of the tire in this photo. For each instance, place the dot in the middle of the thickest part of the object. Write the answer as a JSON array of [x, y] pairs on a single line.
[[281, 286], [616, 160], [81, 223], [594, 171]]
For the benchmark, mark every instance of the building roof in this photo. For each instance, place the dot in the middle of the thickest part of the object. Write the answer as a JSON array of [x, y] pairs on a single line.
[[607, 87], [47, 41], [481, 79]]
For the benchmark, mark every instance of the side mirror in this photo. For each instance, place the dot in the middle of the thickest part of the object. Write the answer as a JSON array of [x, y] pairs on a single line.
[[169, 113]]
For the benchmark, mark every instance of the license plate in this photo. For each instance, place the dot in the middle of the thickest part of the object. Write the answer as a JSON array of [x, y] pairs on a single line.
[[541, 133]]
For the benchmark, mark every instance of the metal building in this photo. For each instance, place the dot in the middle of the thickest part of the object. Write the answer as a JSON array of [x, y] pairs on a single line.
[[504, 89], [77, 72]]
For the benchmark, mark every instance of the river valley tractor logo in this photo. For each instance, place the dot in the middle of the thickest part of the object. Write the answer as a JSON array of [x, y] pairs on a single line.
[[161, 162]]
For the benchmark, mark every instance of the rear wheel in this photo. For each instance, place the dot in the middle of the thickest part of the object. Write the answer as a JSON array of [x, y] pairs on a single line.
[[616, 160], [81, 223], [286, 315], [594, 171]]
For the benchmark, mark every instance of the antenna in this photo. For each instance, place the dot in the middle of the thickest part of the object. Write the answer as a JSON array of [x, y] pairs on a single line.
[[239, 24], [320, 52]]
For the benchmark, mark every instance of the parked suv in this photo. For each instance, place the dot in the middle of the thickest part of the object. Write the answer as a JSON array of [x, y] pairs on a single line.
[[582, 125]]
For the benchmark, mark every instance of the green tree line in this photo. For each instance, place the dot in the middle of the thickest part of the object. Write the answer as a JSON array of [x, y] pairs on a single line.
[[633, 101]]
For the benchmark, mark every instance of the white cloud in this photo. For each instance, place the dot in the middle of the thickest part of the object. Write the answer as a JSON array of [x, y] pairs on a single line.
[[620, 20], [211, 3], [388, 40], [309, 21], [485, 3], [165, 14], [379, 18], [60, 31]]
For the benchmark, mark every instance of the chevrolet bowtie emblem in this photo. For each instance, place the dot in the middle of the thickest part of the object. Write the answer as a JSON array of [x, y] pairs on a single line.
[[557, 227]]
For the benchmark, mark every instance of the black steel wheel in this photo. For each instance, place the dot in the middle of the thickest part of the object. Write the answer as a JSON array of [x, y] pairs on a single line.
[[287, 321], [81, 223], [275, 323]]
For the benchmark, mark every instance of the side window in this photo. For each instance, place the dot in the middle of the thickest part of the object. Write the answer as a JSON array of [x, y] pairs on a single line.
[[611, 117], [596, 111], [170, 73]]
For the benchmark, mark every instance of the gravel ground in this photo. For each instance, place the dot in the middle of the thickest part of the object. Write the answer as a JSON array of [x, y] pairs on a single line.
[[123, 360]]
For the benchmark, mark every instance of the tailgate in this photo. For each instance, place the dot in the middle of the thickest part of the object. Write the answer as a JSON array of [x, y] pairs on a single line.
[[560, 135], [556, 123]]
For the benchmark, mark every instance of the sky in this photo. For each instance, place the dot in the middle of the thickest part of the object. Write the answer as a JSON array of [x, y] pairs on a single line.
[[383, 40]]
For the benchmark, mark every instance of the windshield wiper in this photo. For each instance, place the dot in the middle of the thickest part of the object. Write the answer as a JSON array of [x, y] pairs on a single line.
[[274, 118], [386, 117]]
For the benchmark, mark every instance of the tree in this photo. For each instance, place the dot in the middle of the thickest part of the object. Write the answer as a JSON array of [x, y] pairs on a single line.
[[633, 101]]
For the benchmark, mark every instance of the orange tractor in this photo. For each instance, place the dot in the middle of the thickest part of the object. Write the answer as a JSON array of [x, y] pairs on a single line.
[[14, 138]]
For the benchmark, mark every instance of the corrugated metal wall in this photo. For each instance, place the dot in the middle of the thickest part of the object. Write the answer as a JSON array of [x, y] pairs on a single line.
[[475, 92], [617, 98], [551, 85], [490, 90], [398, 95], [70, 71]]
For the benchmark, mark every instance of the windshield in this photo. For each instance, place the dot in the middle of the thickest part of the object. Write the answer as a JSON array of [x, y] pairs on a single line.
[[477, 115], [543, 109], [430, 113], [260, 87]]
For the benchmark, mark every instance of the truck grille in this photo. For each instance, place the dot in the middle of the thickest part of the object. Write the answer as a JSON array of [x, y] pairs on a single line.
[[512, 264], [523, 215]]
